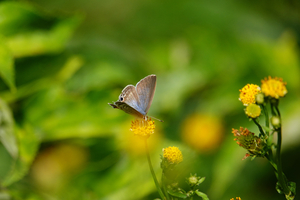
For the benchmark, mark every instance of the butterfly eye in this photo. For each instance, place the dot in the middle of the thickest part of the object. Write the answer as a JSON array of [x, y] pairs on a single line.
[[121, 99]]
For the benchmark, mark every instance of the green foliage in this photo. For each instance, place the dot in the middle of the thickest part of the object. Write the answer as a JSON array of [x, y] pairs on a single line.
[[26, 32], [59, 70], [7, 132], [7, 70], [29, 33], [28, 146]]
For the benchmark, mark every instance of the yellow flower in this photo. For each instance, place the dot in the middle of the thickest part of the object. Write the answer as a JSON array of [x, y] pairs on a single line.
[[143, 127], [203, 132], [173, 155], [273, 87], [253, 110], [248, 92], [237, 198], [134, 145]]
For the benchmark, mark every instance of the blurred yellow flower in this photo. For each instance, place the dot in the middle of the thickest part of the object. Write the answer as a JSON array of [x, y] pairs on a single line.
[[54, 166], [142, 127], [248, 92], [202, 132], [237, 198], [253, 110], [173, 155], [273, 87]]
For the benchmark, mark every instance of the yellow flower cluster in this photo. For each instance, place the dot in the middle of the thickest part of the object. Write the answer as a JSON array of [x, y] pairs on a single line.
[[251, 94], [173, 155], [237, 198], [247, 94], [143, 127], [273, 87]]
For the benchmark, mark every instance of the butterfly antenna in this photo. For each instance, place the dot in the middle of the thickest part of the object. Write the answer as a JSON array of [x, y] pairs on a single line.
[[157, 119]]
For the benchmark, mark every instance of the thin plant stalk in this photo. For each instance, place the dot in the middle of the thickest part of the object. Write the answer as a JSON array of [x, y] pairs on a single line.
[[152, 172], [164, 186], [259, 127], [266, 118], [281, 178]]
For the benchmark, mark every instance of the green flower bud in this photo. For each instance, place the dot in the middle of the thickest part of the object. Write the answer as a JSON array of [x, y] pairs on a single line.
[[193, 180], [260, 98], [275, 121], [190, 193]]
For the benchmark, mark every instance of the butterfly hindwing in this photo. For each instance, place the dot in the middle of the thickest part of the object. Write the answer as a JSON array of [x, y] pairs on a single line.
[[128, 109]]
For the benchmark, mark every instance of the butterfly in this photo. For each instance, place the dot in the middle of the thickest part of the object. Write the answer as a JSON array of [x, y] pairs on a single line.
[[136, 100]]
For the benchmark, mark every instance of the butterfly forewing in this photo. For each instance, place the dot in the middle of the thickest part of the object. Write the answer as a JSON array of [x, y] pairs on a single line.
[[145, 90]]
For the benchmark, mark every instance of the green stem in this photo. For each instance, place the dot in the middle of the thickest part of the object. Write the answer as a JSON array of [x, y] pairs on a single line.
[[270, 157], [273, 110], [266, 118], [259, 127], [281, 179], [163, 182], [274, 165], [152, 172]]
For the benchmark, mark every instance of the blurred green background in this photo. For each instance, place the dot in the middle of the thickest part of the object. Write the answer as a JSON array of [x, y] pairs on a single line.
[[61, 62]]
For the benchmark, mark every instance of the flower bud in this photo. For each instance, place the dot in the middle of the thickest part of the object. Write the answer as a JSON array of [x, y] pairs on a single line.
[[193, 180], [260, 98], [275, 121], [253, 110], [190, 193]]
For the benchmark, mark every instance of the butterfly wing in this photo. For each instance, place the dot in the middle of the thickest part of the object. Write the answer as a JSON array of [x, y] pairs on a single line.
[[145, 89], [128, 109], [129, 102]]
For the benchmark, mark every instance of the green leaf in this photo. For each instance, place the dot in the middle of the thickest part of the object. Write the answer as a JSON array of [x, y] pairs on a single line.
[[177, 194], [24, 37], [7, 133], [201, 180], [279, 188], [7, 71], [267, 129], [71, 66], [202, 195], [292, 187], [39, 42], [28, 146], [15, 16]]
